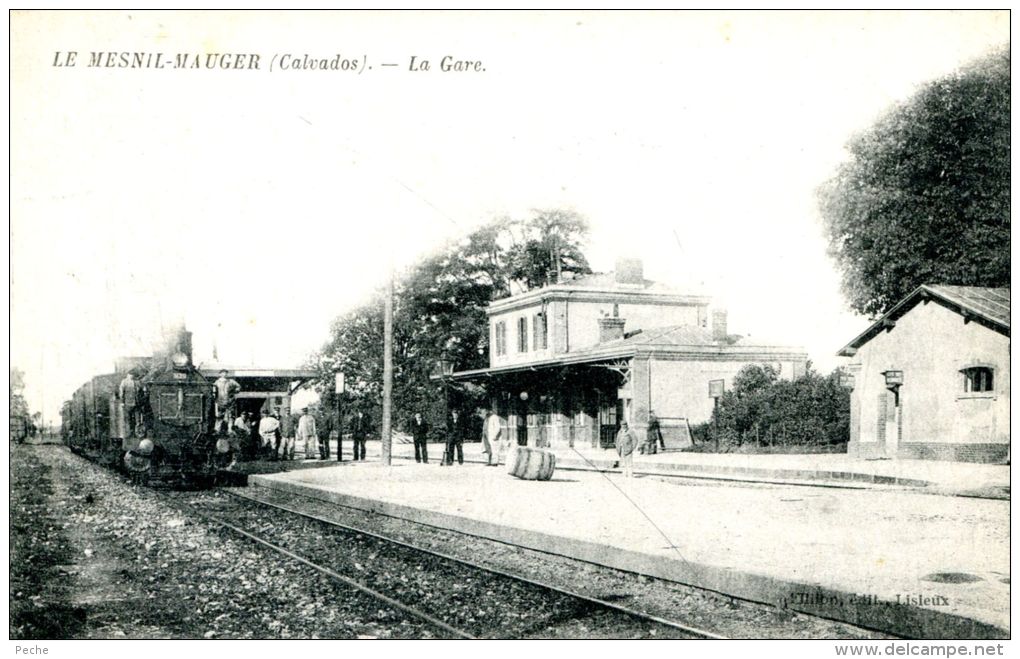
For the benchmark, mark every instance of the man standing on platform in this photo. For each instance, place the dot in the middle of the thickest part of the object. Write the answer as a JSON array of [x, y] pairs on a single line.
[[359, 434], [269, 429], [454, 440], [492, 438], [653, 437], [325, 428], [626, 442], [307, 434], [420, 433]]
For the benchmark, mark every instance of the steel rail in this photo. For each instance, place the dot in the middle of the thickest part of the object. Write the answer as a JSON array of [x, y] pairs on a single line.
[[687, 629], [389, 601]]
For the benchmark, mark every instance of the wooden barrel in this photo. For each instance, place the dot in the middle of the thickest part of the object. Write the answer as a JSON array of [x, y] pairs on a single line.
[[532, 464]]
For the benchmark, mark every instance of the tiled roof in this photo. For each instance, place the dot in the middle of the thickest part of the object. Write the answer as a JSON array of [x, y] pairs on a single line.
[[993, 303], [607, 281], [989, 306], [678, 335]]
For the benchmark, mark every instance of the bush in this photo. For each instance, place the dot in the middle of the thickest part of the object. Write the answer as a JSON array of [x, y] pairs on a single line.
[[763, 411]]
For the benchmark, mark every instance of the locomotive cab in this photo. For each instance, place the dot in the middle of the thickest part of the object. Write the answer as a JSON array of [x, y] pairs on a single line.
[[176, 435]]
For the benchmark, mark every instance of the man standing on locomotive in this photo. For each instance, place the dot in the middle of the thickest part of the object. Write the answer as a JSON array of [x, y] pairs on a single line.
[[130, 394], [226, 393]]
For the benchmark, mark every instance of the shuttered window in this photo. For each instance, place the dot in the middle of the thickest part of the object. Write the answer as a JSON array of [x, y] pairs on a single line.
[[500, 338], [522, 334], [539, 331]]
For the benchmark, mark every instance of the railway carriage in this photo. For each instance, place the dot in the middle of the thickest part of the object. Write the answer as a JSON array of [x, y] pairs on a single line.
[[168, 437]]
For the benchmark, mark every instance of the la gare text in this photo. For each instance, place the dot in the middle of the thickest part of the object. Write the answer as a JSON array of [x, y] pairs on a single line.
[[257, 62]]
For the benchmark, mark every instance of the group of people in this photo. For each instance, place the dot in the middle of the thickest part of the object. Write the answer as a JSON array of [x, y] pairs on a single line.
[[456, 431], [315, 437]]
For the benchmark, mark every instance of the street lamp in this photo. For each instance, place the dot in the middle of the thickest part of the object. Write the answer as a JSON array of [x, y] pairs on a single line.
[[446, 370]]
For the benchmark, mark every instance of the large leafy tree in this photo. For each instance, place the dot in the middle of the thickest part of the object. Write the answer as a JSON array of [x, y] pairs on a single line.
[[440, 312], [550, 246], [924, 197]]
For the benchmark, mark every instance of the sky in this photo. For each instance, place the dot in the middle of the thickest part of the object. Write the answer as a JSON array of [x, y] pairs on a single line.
[[256, 205]]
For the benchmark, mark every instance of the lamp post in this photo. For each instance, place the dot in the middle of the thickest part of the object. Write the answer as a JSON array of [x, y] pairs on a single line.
[[446, 370], [340, 388], [716, 388]]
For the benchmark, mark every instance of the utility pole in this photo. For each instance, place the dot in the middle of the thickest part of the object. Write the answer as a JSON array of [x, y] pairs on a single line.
[[387, 392]]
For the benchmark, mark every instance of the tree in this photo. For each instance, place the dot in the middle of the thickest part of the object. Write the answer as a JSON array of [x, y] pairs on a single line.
[[551, 245], [924, 198]]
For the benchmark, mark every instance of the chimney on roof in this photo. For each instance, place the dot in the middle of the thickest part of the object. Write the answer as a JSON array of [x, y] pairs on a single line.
[[611, 328], [719, 325], [630, 271]]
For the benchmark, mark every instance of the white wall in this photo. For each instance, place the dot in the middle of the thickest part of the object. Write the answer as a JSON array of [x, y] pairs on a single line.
[[931, 344], [680, 388]]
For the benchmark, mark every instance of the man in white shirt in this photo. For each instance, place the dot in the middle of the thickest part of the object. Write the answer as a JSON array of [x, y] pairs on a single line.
[[491, 439], [307, 433], [268, 429]]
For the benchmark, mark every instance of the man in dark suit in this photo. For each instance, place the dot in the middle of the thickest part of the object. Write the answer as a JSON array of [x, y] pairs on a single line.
[[420, 433], [325, 428], [359, 432], [454, 439]]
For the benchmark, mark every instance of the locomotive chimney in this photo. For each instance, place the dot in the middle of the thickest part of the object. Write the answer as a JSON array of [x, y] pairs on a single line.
[[179, 342]]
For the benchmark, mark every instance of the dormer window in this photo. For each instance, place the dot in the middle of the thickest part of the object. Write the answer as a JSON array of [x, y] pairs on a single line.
[[977, 379]]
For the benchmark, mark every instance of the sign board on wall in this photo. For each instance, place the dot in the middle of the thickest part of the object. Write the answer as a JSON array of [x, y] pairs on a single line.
[[716, 388], [339, 383]]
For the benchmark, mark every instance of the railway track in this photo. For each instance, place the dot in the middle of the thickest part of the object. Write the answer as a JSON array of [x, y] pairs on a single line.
[[457, 597]]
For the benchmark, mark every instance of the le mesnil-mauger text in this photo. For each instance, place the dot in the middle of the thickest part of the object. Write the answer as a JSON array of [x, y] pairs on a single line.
[[250, 61]]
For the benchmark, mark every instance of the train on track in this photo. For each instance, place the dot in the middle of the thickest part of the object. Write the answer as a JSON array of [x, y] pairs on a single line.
[[163, 431]]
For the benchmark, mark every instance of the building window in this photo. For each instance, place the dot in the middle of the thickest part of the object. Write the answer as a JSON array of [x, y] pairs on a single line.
[[539, 331], [522, 335], [500, 338], [977, 379]]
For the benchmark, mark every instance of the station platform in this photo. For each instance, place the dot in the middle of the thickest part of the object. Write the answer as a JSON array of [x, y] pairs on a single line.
[[894, 560], [822, 469]]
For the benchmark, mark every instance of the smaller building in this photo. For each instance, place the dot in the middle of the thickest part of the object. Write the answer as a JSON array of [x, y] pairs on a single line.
[[263, 390], [931, 378]]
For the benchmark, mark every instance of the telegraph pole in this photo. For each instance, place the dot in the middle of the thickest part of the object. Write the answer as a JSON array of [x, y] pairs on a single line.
[[387, 400]]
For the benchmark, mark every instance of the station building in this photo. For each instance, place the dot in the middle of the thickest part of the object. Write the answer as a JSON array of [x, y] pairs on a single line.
[[569, 361], [931, 378]]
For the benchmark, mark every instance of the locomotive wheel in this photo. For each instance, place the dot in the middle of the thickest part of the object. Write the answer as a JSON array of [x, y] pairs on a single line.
[[137, 464]]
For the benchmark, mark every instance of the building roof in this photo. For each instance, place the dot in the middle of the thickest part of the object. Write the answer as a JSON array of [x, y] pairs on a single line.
[[601, 287], [683, 341], [987, 306], [212, 369], [606, 281]]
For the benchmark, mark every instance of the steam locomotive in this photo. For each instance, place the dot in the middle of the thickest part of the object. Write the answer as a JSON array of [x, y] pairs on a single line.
[[168, 436]]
